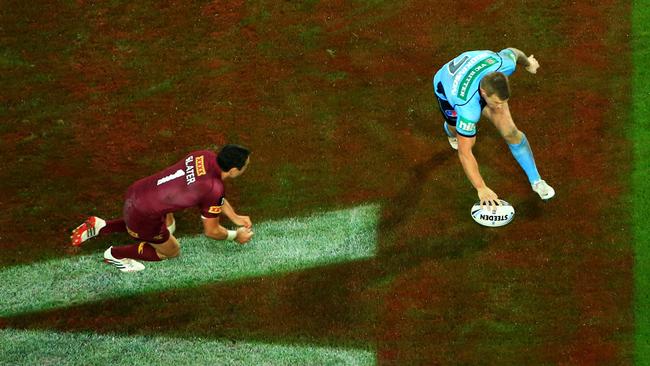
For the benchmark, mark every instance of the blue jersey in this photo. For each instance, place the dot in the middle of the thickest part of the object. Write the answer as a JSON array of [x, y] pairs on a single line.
[[458, 82]]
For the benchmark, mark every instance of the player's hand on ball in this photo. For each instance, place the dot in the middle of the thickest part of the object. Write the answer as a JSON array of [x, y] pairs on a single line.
[[533, 65], [488, 198], [244, 235]]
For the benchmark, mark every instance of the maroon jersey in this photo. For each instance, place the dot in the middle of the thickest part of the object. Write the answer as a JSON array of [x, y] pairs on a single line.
[[194, 181]]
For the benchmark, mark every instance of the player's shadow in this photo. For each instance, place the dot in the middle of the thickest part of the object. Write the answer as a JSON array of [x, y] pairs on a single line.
[[401, 245], [326, 306], [400, 206]]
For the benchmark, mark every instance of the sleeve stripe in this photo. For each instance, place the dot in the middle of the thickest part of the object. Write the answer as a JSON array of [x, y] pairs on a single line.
[[464, 135]]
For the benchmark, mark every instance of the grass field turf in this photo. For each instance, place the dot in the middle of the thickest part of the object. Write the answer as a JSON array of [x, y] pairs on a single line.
[[640, 135], [82, 279], [51, 348], [335, 100]]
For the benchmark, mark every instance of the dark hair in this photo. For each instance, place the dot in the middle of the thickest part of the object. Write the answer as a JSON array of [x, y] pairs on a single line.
[[496, 83], [232, 156]]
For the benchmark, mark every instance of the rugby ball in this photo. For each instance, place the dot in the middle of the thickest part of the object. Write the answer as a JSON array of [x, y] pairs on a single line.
[[502, 215]]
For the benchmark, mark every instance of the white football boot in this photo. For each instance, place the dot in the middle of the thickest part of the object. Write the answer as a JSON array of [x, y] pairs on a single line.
[[89, 229], [124, 264], [453, 141], [544, 191]]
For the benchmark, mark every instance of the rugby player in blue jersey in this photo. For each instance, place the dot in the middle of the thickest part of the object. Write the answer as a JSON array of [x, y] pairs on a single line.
[[475, 84]]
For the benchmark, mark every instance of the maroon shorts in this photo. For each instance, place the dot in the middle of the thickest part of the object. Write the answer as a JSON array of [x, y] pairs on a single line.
[[144, 227]]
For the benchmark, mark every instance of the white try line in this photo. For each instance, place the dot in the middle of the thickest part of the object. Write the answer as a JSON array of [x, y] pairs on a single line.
[[278, 247], [31, 347]]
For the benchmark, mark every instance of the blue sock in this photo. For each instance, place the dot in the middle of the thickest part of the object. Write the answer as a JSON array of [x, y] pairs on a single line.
[[446, 127], [524, 156]]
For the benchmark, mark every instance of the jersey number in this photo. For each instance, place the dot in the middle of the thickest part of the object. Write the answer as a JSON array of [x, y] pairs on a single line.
[[453, 67], [179, 173]]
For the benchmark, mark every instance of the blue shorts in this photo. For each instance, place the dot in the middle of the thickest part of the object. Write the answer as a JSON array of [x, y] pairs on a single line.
[[448, 112]]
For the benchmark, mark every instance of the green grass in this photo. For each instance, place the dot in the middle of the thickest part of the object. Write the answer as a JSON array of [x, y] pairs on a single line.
[[278, 247], [52, 348], [640, 135], [10, 59]]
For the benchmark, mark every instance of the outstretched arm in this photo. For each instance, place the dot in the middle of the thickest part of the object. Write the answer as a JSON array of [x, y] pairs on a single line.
[[528, 62], [487, 197]]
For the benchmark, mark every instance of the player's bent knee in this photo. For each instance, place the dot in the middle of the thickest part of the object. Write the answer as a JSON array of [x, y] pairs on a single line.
[[174, 251], [174, 254], [168, 254], [513, 136], [169, 249]]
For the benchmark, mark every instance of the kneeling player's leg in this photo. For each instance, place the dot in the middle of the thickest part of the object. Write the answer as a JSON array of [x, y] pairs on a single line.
[[152, 231], [149, 252], [142, 251], [113, 226], [170, 222], [157, 243], [124, 257], [168, 249], [94, 226]]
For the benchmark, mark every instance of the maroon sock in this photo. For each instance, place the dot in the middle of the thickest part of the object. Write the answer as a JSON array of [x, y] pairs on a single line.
[[113, 226], [143, 251]]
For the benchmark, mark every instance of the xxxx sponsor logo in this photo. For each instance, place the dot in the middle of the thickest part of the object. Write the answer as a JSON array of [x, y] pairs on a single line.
[[200, 166], [214, 209]]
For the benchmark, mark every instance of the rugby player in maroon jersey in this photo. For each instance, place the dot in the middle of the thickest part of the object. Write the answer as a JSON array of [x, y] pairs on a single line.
[[195, 181]]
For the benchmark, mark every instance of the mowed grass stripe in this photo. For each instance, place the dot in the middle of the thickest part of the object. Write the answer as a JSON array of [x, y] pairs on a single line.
[[640, 134], [30, 347], [278, 247]]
